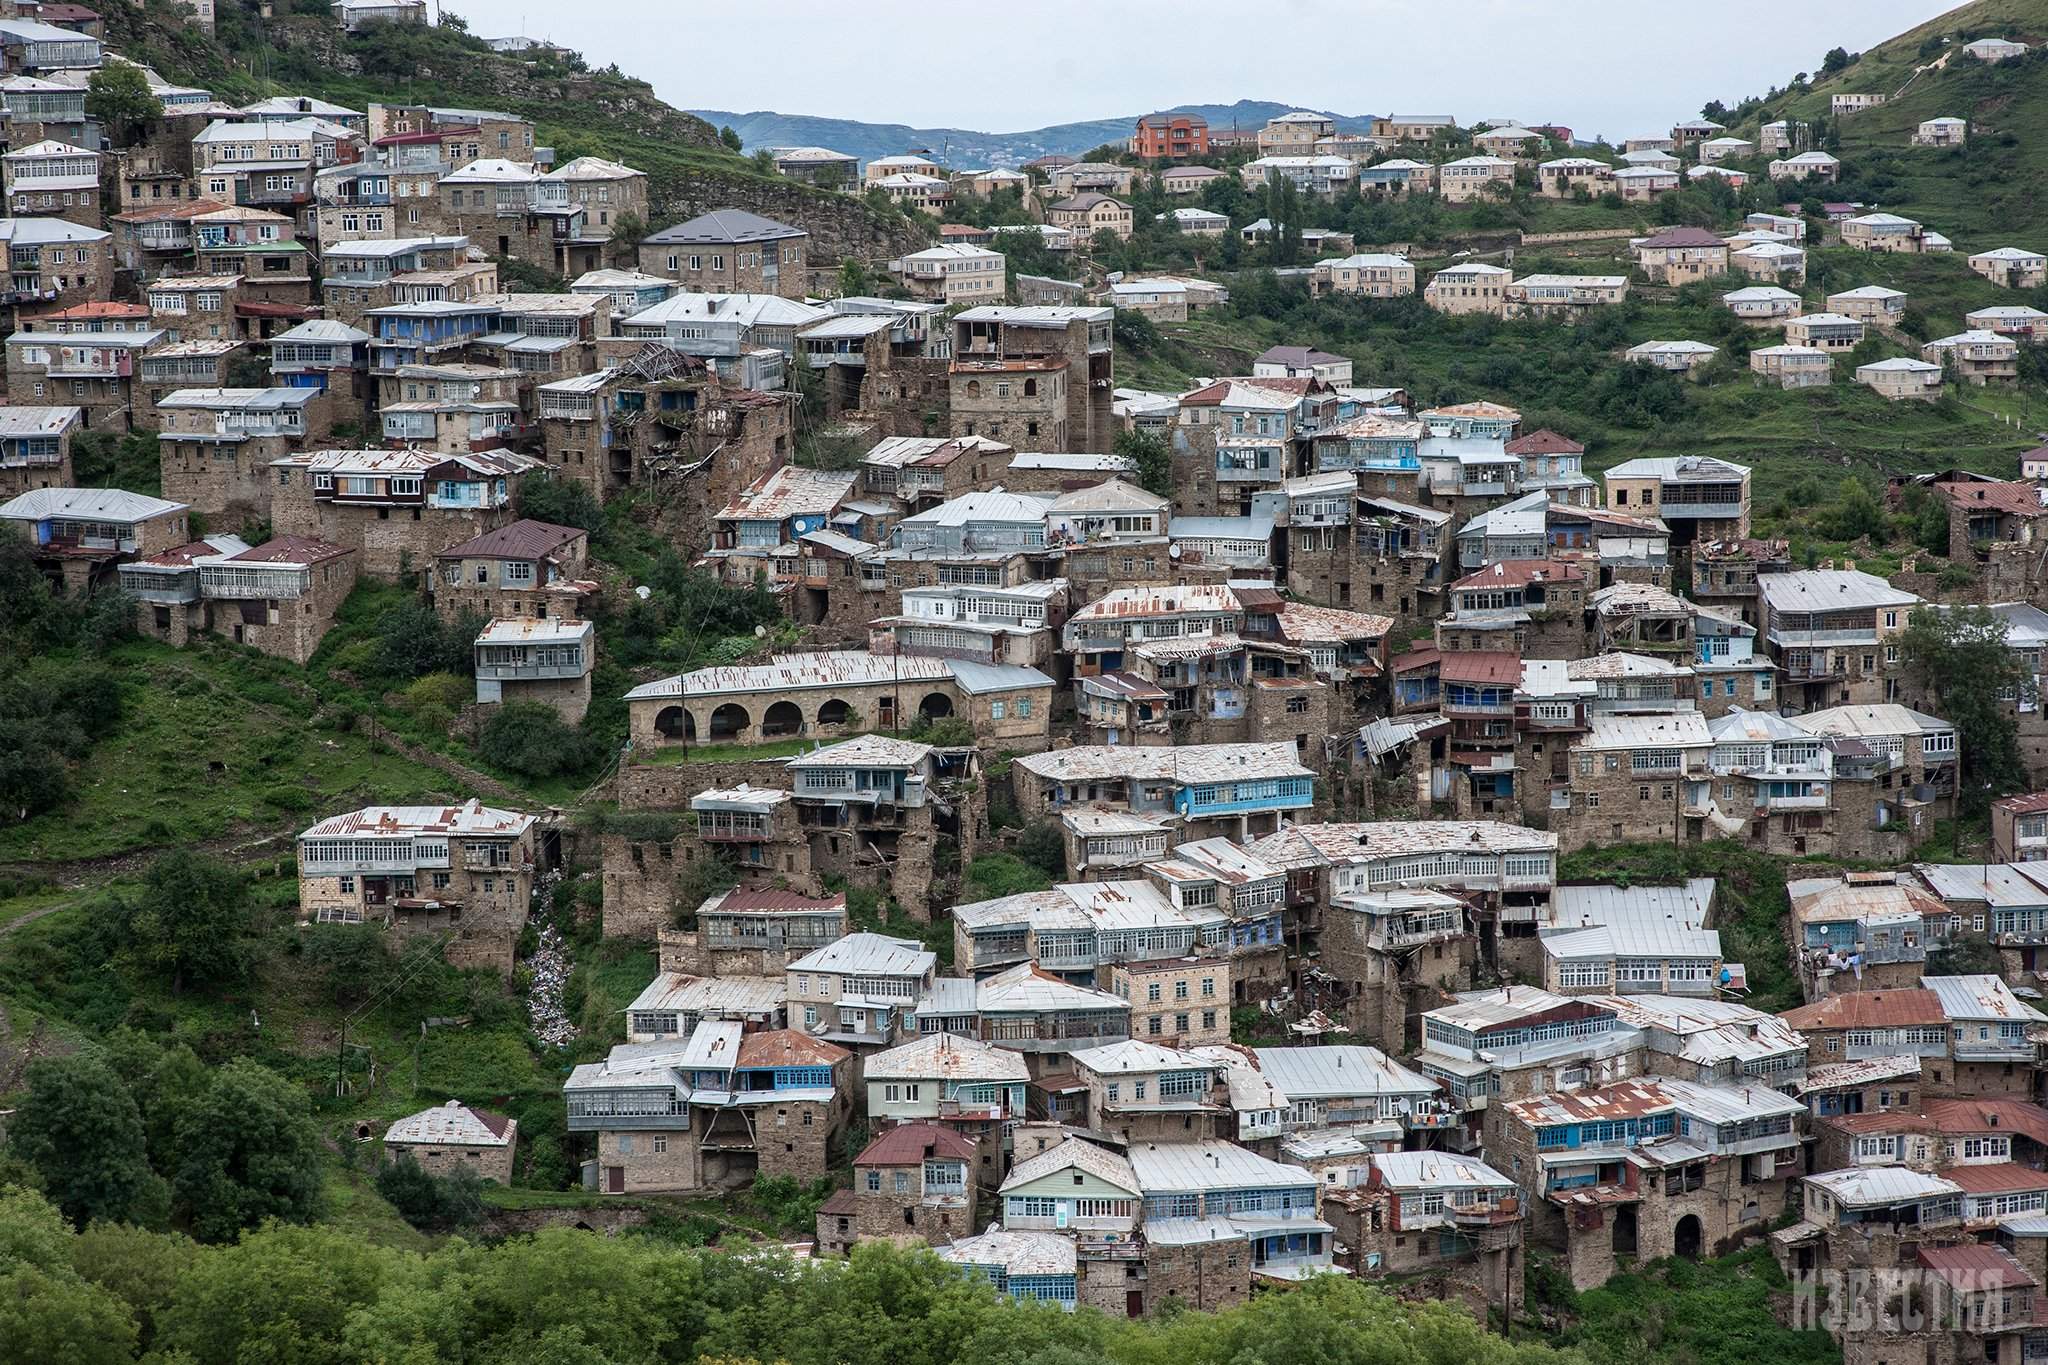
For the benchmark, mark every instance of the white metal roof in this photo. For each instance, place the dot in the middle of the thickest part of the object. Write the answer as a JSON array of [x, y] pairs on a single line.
[[1339, 1071], [1437, 1171], [1820, 590], [1073, 1154], [452, 1124], [1186, 1167], [1870, 1185], [864, 954], [947, 1057], [1981, 998], [89, 504]]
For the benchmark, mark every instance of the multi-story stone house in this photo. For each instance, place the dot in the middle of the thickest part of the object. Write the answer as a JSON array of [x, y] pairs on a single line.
[[1228, 789], [675, 1002], [975, 1089], [280, 597], [1699, 497], [158, 238], [1883, 232], [42, 110], [195, 307], [259, 246], [454, 137], [330, 358], [1637, 778], [913, 1180], [1562, 296], [218, 446], [1991, 1035], [1270, 1205], [861, 990], [1178, 1001], [1682, 254], [1010, 625], [93, 371], [1824, 331], [53, 179], [524, 570], [80, 535], [1893, 781], [1474, 177], [731, 251], [1503, 872], [178, 366], [1031, 1267], [1809, 166], [1375, 275], [716, 1110], [2019, 828], [1469, 288], [544, 337], [1725, 573], [451, 407], [953, 273], [1139, 1091], [1976, 357], [1089, 1194], [1601, 1187], [358, 276], [1321, 176], [400, 508], [1411, 1212], [1294, 132], [515, 210], [54, 263], [35, 447], [1564, 177], [1532, 608], [1412, 127], [529, 659], [1861, 934], [611, 196], [462, 875], [1037, 377], [1762, 305], [1773, 777], [1833, 634], [1024, 1007], [2010, 320]]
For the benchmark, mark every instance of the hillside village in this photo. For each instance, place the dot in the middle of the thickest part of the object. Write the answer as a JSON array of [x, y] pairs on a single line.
[[1009, 711]]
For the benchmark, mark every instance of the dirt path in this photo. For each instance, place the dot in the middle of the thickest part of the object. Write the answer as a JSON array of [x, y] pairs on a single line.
[[244, 846]]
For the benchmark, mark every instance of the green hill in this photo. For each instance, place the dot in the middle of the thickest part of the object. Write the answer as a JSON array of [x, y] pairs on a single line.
[[575, 110]]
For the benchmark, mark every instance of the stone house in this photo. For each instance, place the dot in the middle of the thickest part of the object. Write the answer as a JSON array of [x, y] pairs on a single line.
[[1823, 331], [863, 989], [1977, 357], [1561, 296], [1035, 377], [2011, 266], [611, 195], [217, 446], [1884, 232], [93, 371], [35, 447], [279, 598], [1598, 1191], [1832, 634], [1810, 165], [730, 251], [1471, 288], [462, 874], [53, 179], [2019, 828], [81, 535], [1902, 377], [1681, 254], [1178, 1001], [1369, 275], [524, 570], [714, 1111], [530, 659], [1089, 213], [914, 1180], [400, 508], [1637, 778], [1762, 305], [1138, 1091], [953, 274], [1430, 1211], [453, 1137], [1794, 367], [1035, 1267]]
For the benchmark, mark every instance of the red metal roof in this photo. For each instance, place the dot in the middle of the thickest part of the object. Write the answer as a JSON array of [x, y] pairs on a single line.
[[2031, 804], [1482, 666], [1976, 1267], [292, 550], [788, 1047], [2027, 1119], [2014, 498], [1519, 573], [1997, 1177], [1420, 657], [1544, 442], [1869, 1009], [908, 1144], [744, 898], [523, 539]]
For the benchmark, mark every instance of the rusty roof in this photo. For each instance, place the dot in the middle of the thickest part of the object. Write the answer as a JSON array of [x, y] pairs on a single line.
[[1997, 1177], [291, 550], [1482, 666], [2033, 803], [1519, 573], [2011, 497], [523, 539], [1544, 442], [742, 898], [1975, 1268], [788, 1047], [1869, 1009], [910, 1144]]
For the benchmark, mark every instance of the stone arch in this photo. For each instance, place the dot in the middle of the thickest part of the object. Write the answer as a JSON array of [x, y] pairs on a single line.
[[1031, 388], [729, 721], [673, 722], [935, 706], [1751, 1211], [974, 388], [835, 712], [1687, 1237], [782, 718]]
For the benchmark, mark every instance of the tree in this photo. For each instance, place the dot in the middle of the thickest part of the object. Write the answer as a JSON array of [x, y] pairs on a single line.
[[1854, 514], [412, 641], [192, 921], [1958, 660], [80, 1128], [730, 138], [429, 1202], [141, 1268], [351, 958], [530, 738], [46, 1316], [1838, 59], [560, 502], [285, 1294], [1153, 457], [853, 279], [118, 95], [246, 1151]]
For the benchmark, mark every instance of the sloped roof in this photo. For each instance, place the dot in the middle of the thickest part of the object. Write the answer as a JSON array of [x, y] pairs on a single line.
[[725, 225]]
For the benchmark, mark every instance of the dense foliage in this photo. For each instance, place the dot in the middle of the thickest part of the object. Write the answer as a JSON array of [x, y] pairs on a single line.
[[322, 1297], [1958, 661]]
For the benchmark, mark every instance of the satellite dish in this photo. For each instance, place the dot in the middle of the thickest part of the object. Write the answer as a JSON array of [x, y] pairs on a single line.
[[643, 592], [1173, 551]]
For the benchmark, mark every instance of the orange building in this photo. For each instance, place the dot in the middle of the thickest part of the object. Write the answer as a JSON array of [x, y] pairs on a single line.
[[1171, 137]]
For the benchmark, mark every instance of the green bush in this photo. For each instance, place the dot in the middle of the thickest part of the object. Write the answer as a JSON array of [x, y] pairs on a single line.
[[531, 739]]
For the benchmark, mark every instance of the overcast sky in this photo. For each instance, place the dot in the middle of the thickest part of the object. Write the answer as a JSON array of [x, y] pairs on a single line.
[[1594, 65]]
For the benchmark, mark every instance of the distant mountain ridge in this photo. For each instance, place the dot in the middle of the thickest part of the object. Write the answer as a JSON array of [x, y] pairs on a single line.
[[970, 149]]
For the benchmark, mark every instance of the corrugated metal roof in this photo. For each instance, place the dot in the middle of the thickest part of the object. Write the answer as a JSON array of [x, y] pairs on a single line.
[[1981, 998], [453, 1124], [864, 954], [947, 1057], [1171, 1168], [1075, 1154], [1340, 1071]]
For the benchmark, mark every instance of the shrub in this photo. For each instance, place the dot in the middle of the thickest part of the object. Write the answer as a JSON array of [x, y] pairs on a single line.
[[531, 739]]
